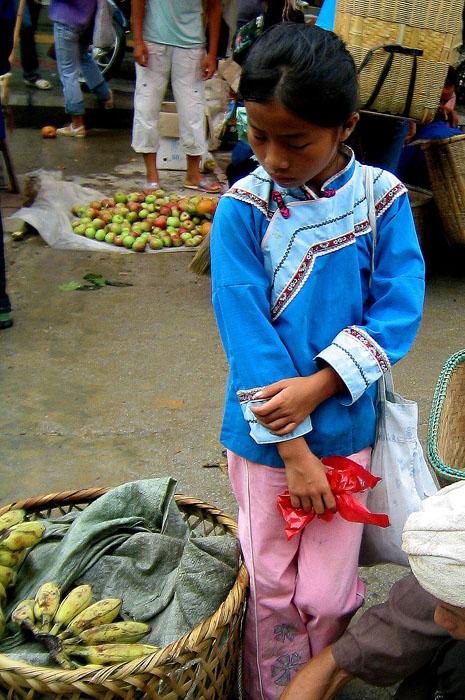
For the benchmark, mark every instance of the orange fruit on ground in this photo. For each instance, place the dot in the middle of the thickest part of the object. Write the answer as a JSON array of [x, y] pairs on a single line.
[[48, 132], [205, 227], [205, 206]]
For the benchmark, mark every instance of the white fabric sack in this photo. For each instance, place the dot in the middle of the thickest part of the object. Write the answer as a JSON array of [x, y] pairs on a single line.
[[406, 479], [104, 34], [397, 457]]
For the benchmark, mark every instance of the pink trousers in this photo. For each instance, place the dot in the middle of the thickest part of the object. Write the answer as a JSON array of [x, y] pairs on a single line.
[[303, 592]]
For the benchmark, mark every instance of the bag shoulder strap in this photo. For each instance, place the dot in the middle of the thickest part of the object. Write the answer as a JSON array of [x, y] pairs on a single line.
[[386, 382]]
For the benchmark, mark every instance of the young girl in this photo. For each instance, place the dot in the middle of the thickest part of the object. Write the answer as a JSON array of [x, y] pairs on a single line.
[[308, 330]]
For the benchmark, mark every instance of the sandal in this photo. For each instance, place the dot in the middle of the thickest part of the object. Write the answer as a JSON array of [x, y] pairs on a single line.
[[69, 130], [5, 320], [39, 83], [206, 186], [151, 187]]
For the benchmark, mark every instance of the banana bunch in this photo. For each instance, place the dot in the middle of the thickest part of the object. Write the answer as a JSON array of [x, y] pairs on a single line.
[[75, 627], [16, 536]]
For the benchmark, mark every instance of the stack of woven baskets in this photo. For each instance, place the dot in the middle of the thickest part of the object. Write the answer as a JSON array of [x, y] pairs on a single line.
[[202, 664], [445, 160], [402, 50]]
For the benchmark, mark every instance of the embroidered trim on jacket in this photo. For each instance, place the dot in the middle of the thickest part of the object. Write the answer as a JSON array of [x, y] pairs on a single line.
[[250, 198], [356, 363], [246, 395], [305, 267], [371, 345], [387, 199]]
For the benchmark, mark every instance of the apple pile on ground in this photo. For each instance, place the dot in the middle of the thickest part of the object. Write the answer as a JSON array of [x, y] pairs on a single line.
[[139, 221]]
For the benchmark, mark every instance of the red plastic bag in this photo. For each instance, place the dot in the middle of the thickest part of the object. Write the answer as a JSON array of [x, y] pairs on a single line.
[[345, 478]]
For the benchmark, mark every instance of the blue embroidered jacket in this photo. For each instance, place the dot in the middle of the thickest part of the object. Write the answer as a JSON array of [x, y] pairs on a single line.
[[291, 288]]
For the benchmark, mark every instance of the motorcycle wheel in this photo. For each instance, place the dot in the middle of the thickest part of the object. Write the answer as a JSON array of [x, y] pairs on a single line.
[[109, 59]]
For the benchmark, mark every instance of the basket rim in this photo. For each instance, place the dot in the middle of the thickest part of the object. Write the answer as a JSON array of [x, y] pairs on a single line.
[[165, 655], [433, 143], [437, 406]]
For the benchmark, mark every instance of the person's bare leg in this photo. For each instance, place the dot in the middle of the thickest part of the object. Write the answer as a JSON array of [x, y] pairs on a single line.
[[150, 160], [320, 679], [193, 176], [77, 120]]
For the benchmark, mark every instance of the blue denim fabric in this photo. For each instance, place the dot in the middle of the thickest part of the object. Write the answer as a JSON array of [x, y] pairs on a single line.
[[73, 56], [29, 60]]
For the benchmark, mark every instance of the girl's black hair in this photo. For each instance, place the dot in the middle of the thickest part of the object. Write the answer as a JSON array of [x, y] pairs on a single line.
[[307, 69]]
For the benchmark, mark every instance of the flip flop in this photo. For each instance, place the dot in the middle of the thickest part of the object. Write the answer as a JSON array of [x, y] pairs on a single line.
[[151, 187], [206, 186]]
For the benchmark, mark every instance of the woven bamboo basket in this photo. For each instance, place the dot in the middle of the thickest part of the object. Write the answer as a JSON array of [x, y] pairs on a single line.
[[201, 664], [431, 27], [445, 160], [422, 204], [446, 428]]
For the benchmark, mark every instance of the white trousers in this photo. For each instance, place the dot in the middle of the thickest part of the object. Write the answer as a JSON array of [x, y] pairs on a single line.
[[184, 66]]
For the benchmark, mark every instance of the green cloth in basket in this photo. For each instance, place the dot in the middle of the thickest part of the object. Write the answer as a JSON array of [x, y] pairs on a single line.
[[133, 543]]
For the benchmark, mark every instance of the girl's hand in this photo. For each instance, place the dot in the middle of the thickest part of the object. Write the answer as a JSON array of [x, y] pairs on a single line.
[[306, 477], [292, 400]]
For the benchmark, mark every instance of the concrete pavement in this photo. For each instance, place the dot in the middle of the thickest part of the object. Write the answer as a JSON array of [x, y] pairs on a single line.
[[121, 383]]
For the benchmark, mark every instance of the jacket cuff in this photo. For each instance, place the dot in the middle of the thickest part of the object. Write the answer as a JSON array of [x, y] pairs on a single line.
[[358, 360], [258, 432]]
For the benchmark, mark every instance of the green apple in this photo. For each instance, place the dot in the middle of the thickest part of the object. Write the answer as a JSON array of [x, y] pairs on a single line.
[[90, 232], [185, 236], [117, 219], [150, 198], [128, 241], [98, 223], [110, 237], [80, 230], [177, 241], [155, 243], [143, 213], [86, 220], [100, 235], [173, 221], [159, 193], [120, 197], [139, 245], [167, 241], [116, 228]]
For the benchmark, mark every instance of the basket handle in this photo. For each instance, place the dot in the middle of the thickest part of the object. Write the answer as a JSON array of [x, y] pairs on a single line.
[[392, 49]]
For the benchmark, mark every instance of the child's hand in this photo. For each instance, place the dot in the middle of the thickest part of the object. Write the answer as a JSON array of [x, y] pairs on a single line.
[[293, 399], [306, 477]]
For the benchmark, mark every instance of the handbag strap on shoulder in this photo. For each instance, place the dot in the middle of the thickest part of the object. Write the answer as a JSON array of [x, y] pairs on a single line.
[[386, 382]]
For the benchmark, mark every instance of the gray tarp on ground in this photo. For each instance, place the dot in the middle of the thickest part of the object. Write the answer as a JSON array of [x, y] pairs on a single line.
[[131, 543]]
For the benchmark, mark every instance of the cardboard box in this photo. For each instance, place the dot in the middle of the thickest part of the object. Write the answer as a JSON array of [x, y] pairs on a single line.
[[170, 156], [168, 123]]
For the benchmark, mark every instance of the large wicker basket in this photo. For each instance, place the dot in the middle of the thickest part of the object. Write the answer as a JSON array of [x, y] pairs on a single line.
[[201, 664], [445, 160], [446, 429], [429, 28]]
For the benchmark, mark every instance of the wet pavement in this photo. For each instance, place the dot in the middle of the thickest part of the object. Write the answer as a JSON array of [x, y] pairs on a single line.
[[124, 383]]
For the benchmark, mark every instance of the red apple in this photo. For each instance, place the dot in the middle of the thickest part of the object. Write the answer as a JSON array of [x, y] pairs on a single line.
[[160, 221], [165, 210]]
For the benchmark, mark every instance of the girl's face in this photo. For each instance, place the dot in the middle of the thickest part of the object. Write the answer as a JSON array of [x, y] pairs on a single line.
[[293, 151]]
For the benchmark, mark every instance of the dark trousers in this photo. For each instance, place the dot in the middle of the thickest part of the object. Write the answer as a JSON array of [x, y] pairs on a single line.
[[29, 60], [4, 300]]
